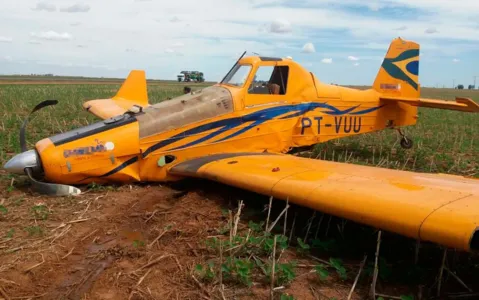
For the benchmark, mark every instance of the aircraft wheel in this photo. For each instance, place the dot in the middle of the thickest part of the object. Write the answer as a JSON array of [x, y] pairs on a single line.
[[406, 143]]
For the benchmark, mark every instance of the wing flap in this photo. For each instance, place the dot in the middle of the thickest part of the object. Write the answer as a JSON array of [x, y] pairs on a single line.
[[132, 92], [443, 209], [461, 104]]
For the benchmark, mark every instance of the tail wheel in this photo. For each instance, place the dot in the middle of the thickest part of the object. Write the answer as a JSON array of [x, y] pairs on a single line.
[[406, 143]]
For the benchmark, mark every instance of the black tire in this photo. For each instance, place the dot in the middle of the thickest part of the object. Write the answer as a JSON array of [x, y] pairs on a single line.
[[406, 143]]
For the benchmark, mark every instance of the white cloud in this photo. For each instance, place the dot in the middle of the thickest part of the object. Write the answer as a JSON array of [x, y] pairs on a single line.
[[374, 6], [308, 48], [280, 26], [356, 64], [52, 35], [8, 58], [455, 60], [173, 51], [75, 8], [430, 30], [175, 19], [353, 58], [5, 39], [45, 6], [327, 60]]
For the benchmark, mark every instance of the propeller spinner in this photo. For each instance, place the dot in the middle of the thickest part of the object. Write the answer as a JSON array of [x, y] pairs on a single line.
[[28, 162]]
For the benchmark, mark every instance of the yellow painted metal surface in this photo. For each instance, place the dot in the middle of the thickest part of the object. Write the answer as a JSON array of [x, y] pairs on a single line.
[[428, 207], [461, 104], [88, 159], [132, 92]]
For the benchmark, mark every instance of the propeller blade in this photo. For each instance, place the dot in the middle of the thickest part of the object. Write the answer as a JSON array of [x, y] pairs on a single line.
[[23, 143], [51, 189]]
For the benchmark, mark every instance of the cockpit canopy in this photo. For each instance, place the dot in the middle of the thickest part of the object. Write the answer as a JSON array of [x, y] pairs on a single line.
[[268, 79]]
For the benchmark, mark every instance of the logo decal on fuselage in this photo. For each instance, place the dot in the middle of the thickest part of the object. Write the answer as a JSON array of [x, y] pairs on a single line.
[[89, 150]]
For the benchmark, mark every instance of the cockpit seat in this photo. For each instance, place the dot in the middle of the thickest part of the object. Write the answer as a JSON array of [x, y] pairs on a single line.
[[273, 88]]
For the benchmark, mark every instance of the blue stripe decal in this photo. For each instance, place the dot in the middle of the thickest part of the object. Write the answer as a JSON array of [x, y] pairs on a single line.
[[205, 138], [202, 128], [115, 170], [244, 129], [292, 115], [256, 118]]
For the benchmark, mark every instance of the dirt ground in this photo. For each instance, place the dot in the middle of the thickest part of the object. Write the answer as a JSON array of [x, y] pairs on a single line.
[[145, 241], [134, 242]]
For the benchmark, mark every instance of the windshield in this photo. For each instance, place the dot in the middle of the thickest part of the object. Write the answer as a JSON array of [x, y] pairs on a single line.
[[238, 75]]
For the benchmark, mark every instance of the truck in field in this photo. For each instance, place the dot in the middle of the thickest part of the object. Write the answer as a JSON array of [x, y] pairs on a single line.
[[189, 76]]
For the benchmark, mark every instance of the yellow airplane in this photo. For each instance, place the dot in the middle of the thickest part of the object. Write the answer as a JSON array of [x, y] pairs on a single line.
[[240, 131]]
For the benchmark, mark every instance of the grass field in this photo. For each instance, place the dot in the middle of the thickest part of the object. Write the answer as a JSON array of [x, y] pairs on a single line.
[[153, 242]]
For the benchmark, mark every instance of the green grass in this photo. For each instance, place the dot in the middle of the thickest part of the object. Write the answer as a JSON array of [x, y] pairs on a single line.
[[444, 141]]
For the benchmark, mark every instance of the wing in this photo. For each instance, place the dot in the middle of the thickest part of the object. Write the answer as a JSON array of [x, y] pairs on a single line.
[[132, 92], [438, 208]]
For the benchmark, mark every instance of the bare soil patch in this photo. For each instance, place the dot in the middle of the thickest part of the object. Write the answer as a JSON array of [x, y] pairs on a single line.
[[130, 243]]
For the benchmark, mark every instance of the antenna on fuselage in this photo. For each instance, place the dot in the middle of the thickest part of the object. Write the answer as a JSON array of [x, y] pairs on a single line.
[[233, 66]]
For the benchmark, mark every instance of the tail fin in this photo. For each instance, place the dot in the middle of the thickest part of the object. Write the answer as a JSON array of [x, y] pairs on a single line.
[[132, 92], [134, 88], [398, 75]]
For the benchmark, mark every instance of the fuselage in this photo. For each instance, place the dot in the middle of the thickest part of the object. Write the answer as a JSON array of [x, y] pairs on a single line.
[[243, 113]]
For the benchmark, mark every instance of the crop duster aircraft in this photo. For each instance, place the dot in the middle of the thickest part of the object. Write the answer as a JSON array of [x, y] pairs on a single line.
[[241, 132]]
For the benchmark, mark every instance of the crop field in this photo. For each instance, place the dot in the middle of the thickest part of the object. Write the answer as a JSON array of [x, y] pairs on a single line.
[[201, 240]]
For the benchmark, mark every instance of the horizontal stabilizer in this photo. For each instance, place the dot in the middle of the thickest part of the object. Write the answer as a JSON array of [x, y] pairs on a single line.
[[461, 104], [132, 92]]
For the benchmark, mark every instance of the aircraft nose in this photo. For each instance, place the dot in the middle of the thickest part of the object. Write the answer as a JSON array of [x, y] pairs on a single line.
[[27, 159]]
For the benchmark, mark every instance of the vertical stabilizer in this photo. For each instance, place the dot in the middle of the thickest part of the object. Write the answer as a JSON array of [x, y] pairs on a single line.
[[134, 88], [399, 73]]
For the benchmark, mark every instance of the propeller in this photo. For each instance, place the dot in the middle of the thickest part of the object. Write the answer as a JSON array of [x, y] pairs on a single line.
[[23, 143], [28, 162]]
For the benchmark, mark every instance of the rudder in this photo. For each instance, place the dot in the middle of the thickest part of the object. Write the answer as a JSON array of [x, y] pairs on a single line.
[[399, 73]]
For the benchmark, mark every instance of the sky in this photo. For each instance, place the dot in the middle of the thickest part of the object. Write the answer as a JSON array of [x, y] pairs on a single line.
[[340, 41]]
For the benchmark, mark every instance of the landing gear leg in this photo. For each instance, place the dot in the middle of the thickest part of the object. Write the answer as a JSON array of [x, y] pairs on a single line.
[[406, 142]]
